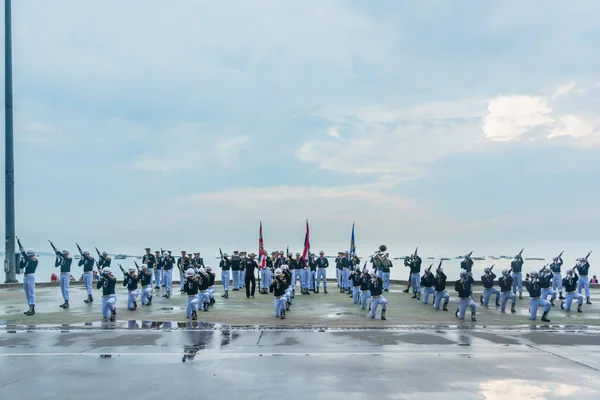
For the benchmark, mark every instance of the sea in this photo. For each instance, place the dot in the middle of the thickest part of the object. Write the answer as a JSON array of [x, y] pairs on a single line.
[[399, 271]]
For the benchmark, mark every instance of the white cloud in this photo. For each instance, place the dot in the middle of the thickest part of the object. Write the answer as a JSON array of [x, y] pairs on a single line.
[[563, 90], [574, 126], [512, 116], [333, 132]]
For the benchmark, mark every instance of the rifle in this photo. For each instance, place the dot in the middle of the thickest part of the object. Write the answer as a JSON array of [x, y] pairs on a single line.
[[586, 257], [543, 268], [20, 245], [440, 265], [58, 253], [521, 252], [137, 266], [492, 267], [99, 254], [415, 253], [471, 253], [80, 251], [122, 270], [561, 253]]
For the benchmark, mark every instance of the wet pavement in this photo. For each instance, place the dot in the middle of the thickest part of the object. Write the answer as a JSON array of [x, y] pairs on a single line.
[[529, 363]]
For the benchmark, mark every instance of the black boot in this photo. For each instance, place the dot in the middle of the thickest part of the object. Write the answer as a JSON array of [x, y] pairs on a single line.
[[324, 290], [579, 308], [561, 297], [512, 309], [473, 319], [113, 315], [445, 307], [223, 295], [282, 314], [383, 315], [205, 306], [135, 305], [481, 300], [66, 305], [414, 296], [497, 302], [405, 290], [588, 301], [552, 302], [149, 303], [87, 300], [194, 315], [545, 317], [562, 305], [520, 296], [31, 311], [212, 300], [419, 296], [226, 294]]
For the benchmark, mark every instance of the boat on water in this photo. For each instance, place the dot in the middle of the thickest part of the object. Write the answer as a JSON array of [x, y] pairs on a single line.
[[444, 259], [76, 257], [431, 258], [120, 257], [535, 259], [139, 257]]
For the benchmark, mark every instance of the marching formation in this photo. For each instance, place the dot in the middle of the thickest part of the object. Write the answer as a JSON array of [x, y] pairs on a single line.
[[279, 274]]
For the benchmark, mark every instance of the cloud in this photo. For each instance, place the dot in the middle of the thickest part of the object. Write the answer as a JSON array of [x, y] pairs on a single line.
[[563, 90], [509, 117], [333, 132], [574, 126]]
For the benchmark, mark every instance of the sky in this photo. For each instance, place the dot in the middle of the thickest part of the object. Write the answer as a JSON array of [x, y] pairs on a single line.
[[451, 125]]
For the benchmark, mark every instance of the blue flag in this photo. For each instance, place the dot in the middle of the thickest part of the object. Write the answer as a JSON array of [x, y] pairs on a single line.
[[352, 244]]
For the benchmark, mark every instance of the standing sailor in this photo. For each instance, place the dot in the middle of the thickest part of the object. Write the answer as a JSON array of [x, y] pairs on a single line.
[[464, 287], [427, 283], [279, 286], [211, 284], [182, 265], [243, 259], [146, 283], [250, 266], [505, 283], [158, 269], [546, 277], [198, 261], [517, 267], [64, 260], [583, 268], [346, 285], [168, 273], [439, 282], [355, 278], [385, 272], [88, 274], [293, 268], [322, 264], [149, 260], [409, 281], [108, 282], [570, 284], [131, 280], [265, 277], [365, 284], [191, 286], [338, 269], [285, 269], [557, 262], [376, 289], [312, 276], [304, 274], [535, 300], [415, 275], [28, 265], [225, 266], [488, 287], [236, 266]]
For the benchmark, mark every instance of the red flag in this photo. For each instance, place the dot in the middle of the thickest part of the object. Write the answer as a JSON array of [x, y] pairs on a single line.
[[306, 251], [262, 257]]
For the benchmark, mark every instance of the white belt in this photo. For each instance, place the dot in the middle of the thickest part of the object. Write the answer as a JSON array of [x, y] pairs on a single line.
[[88, 272]]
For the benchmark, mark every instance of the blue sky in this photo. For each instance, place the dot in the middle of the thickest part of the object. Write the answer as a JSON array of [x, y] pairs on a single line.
[[455, 125]]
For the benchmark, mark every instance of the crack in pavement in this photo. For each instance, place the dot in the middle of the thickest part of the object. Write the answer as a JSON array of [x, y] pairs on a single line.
[[564, 358]]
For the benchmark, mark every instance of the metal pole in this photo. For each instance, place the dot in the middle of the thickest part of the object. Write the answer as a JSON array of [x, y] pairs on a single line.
[[10, 261]]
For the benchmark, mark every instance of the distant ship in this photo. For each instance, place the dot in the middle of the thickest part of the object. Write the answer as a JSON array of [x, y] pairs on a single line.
[[444, 259], [431, 258], [139, 257], [477, 258], [76, 257], [535, 259], [120, 257]]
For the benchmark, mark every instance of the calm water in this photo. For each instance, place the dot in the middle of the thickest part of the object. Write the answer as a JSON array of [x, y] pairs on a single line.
[[451, 267]]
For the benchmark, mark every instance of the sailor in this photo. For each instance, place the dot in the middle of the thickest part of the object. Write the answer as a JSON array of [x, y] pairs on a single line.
[[338, 269], [104, 260], [279, 286], [131, 280], [149, 260], [312, 275], [385, 272], [168, 273], [467, 264], [277, 260], [304, 274], [108, 282], [250, 266], [28, 265], [191, 286], [464, 287], [353, 263], [583, 268], [282, 258], [570, 284], [488, 287], [346, 285], [285, 269], [376, 289], [64, 260], [265, 277], [409, 280], [365, 284], [355, 278], [225, 266], [243, 259], [211, 284], [439, 283], [322, 265], [427, 283], [236, 266], [516, 267], [415, 276], [546, 278], [88, 268], [198, 261], [204, 280], [505, 283], [158, 270], [293, 268], [557, 262], [535, 300], [183, 263], [146, 283]]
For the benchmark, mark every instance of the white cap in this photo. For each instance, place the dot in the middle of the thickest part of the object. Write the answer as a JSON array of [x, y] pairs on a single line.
[[278, 271], [132, 269], [86, 253], [107, 270], [104, 253], [202, 270], [189, 272], [144, 266], [66, 251], [30, 252], [209, 268]]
